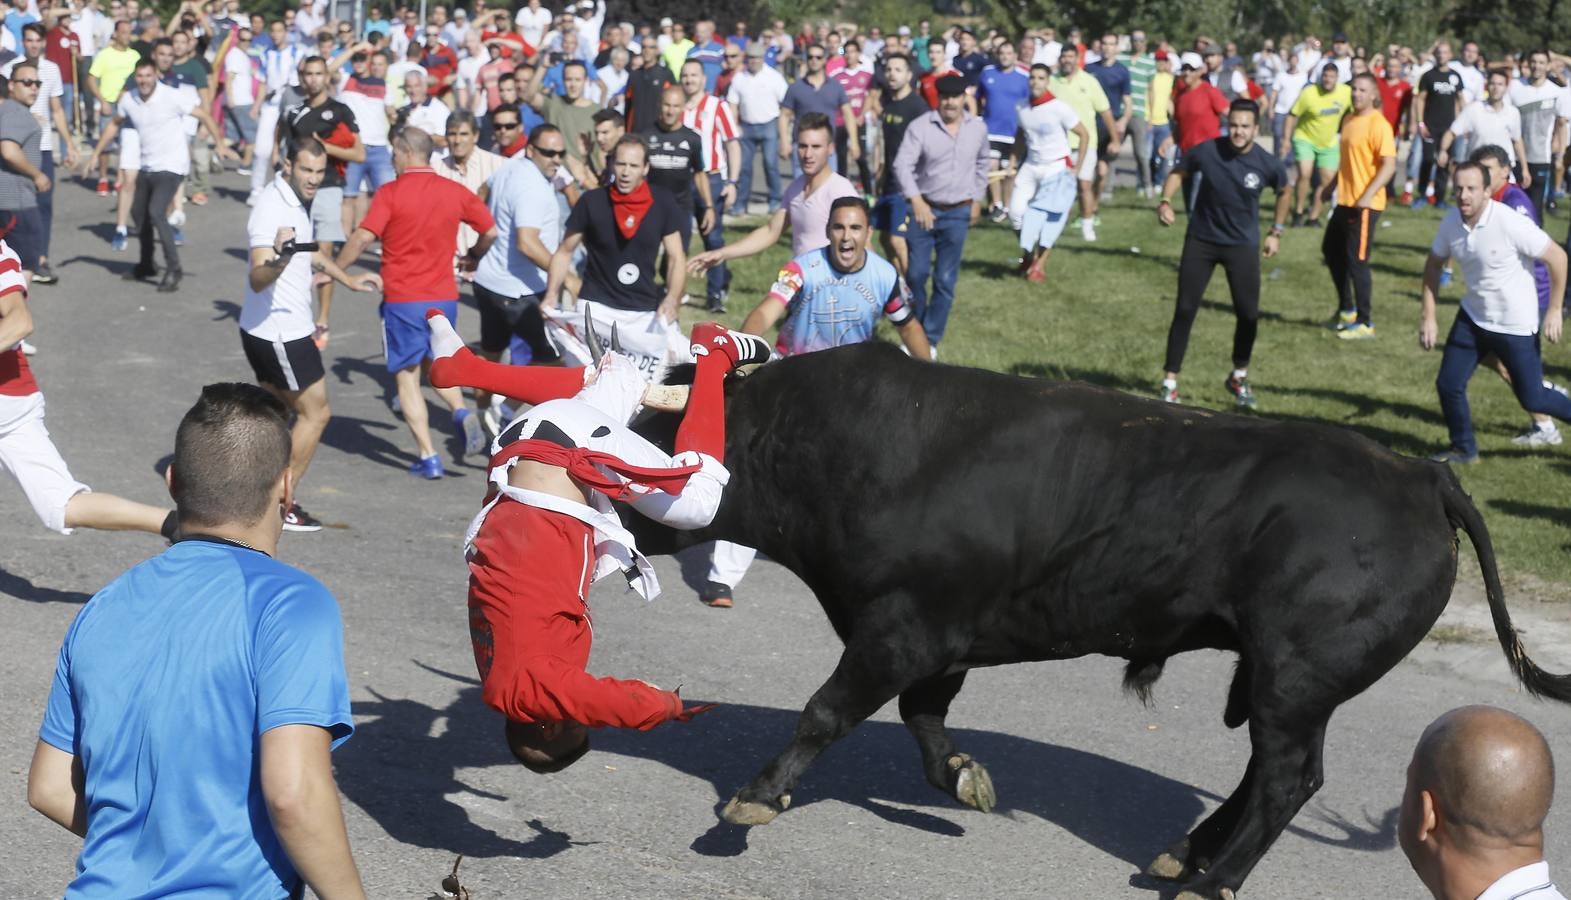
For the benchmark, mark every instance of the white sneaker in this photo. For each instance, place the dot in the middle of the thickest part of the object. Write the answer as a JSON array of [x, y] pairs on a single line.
[[244, 170], [27, 348], [1538, 436], [177, 218], [251, 198], [1088, 230]]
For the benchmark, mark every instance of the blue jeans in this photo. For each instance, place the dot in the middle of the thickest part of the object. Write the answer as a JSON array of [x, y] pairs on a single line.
[[763, 138], [68, 100], [46, 202], [946, 239], [377, 170], [719, 276], [1161, 165], [1465, 346]]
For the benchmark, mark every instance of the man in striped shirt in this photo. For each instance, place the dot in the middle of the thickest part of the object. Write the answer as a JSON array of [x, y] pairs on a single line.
[[715, 123], [1142, 67]]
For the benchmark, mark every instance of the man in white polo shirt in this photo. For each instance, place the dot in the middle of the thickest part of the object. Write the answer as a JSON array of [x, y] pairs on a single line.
[[280, 336], [156, 110], [1495, 246]]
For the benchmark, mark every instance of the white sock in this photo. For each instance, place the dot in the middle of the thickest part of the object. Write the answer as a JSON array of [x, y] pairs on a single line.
[[1547, 427], [1240, 374], [1170, 383], [444, 340]]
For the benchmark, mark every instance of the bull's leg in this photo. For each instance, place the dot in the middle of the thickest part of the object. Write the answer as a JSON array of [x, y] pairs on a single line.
[[1286, 767], [870, 673], [923, 707], [1193, 853]]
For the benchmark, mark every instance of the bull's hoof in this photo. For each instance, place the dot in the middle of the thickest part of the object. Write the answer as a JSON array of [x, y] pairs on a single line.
[[749, 812], [1170, 865], [1221, 894], [972, 785]]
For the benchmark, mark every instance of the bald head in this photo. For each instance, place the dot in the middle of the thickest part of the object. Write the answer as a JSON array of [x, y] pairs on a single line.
[[1490, 772], [1478, 790]]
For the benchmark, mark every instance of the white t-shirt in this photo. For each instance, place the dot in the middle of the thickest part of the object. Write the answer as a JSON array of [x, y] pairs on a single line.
[[370, 115], [1530, 882], [1472, 80], [1287, 86], [87, 24], [1047, 53], [1496, 257], [469, 80], [532, 24], [614, 81], [239, 88], [757, 97], [281, 312], [49, 74], [430, 117], [158, 123], [1047, 130], [1487, 125], [1539, 107]]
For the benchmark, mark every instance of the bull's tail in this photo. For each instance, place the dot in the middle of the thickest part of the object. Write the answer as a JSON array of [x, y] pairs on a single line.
[[1464, 515]]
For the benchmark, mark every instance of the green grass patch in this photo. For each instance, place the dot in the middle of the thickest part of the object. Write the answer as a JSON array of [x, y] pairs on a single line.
[[1103, 313]]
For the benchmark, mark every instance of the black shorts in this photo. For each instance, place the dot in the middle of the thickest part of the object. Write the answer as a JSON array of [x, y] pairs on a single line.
[[1103, 140], [286, 365], [1000, 150], [502, 318], [26, 236]]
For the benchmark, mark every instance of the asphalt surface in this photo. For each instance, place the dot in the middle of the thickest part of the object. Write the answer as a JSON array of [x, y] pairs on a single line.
[[1091, 784]]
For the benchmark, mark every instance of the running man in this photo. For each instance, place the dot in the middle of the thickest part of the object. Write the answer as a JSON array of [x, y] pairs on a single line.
[[1045, 182], [1313, 122], [548, 529], [1224, 228], [1367, 163]]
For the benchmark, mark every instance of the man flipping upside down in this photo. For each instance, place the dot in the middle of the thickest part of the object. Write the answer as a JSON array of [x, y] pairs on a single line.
[[548, 529]]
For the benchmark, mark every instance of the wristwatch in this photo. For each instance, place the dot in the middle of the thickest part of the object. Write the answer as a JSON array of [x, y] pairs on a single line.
[[1276, 229]]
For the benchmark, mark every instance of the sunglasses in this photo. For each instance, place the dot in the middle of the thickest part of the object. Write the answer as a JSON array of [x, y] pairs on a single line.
[[29, 82], [815, 56], [550, 154], [504, 126]]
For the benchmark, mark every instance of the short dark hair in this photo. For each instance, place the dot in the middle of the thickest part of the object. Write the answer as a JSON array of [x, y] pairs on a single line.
[[507, 108], [891, 57], [541, 130], [1470, 166], [36, 29], [1043, 66], [1244, 104], [607, 115], [164, 42], [849, 203], [630, 140], [506, 76], [575, 62], [230, 450], [144, 63], [308, 145], [1500, 71], [462, 117], [814, 121], [1493, 152]]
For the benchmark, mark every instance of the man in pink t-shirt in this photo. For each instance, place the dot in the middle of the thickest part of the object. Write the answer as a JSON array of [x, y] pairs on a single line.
[[857, 80]]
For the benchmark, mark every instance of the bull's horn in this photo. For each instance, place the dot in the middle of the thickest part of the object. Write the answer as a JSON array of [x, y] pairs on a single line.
[[592, 339], [616, 341]]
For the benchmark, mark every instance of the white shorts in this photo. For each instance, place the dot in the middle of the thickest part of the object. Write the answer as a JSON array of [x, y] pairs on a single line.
[[29, 456], [1087, 170], [130, 149]]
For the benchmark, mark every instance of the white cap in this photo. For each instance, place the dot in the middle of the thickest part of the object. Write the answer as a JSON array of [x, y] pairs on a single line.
[[904, 31], [1191, 60], [665, 22]]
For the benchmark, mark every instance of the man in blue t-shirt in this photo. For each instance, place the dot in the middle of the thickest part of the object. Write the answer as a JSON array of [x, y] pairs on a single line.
[[1224, 228], [709, 52], [1002, 89], [198, 696], [1117, 85]]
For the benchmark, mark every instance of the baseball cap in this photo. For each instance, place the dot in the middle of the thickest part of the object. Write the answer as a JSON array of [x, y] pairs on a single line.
[[1339, 38], [460, 13], [665, 22], [1160, 54], [950, 86], [903, 31], [755, 50], [1213, 50], [1191, 60]]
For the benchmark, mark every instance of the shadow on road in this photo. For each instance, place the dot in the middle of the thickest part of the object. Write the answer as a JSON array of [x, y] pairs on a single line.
[[358, 437], [14, 585]]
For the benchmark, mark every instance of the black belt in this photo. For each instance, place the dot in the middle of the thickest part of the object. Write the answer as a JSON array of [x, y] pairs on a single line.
[[956, 205]]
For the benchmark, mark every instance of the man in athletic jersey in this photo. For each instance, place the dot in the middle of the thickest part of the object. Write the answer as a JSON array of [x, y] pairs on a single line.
[[548, 530], [26, 452]]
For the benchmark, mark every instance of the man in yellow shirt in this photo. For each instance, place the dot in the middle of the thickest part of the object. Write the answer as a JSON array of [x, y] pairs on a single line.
[[1313, 123], [1085, 96], [1158, 96], [1368, 161], [106, 80]]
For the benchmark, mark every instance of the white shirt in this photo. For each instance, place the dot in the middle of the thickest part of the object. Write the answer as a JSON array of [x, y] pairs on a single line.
[[757, 97], [1344, 69], [158, 124], [1488, 125], [615, 82], [370, 116], [1527, 883], [430, 116], [87, 24], [309, 21], [1047, 130], [469, 80], [238, 86], [1539, 106], [1047, 53], [282, 310], [49, 74], [1496, 257], [532, 24], [589, 29], [1472, 80], [281, 68], [1287, 86]]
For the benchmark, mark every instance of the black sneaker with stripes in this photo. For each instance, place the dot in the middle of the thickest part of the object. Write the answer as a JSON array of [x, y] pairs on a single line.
[[298, 519]]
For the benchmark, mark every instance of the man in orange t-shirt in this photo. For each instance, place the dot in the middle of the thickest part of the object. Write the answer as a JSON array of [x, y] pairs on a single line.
[[1367, 165]]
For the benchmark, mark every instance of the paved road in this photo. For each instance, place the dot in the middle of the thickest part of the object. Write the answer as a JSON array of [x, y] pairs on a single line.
[[1091, 784]]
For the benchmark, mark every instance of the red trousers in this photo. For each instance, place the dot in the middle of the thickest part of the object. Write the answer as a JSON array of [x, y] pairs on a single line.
[[529, 577]]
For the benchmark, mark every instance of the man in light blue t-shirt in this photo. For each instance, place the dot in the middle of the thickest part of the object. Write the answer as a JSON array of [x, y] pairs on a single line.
[[198, 696]]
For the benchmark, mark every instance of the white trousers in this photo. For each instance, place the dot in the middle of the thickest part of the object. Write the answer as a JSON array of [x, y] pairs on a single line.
[[266, 138], [29, 456]]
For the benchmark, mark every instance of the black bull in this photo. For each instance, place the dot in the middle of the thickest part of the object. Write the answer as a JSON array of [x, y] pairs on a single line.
[[951, 518]]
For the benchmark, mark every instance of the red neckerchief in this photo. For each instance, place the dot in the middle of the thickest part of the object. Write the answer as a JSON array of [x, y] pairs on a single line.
[[516, 147], [1495, 196], [1047, 97], [581, 463], [630, 209]]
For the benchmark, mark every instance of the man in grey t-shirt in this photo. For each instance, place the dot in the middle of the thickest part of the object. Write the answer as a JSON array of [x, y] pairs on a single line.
[[21, 173]]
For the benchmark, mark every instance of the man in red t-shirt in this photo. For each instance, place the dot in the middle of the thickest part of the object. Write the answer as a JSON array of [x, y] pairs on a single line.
[[1396, 94], [440, 63], [63, 48], [60, 501], [1197, 110], [416, 218]]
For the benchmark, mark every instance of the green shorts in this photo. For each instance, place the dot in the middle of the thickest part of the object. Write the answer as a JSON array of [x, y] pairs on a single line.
[[1327, 158]]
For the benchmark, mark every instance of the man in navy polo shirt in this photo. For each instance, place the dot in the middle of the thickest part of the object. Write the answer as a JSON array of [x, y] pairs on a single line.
[[816, 92], [198, 696]]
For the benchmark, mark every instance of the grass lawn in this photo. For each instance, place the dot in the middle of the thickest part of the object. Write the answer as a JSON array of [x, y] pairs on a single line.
[[1103, 313]]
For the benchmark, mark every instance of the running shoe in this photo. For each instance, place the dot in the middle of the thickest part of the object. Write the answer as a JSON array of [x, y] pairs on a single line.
[[742, 349], [468, 425], [1343, 320], [716, 302], [428, 467], [177, 218], [1035, 274], [1168, 393], [1298, 219], [1359, 332], [297, 519], [244, 170], [118, 242], [1407, 198], [1535, 436], [998, 214], [1088, 230], [45, 275], [199, 198], [1241, 391], [715, 594], [27, 348], [1454, 456], [103, 187], [1419, 203], [1446, 278]]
